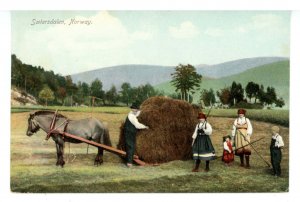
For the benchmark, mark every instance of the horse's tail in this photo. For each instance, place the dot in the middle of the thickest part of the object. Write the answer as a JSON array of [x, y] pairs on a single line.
[[106, 136]]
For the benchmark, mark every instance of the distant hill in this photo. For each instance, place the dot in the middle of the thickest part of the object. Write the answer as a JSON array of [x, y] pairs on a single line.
[[274, 74], [134, 74], [154, 74], [236, 66]]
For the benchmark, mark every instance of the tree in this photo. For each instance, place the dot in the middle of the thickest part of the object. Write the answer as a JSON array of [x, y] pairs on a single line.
[[62, 94], [224, 96], [85, 89], [112, 95], [236, 93], [208, 97], [280, 102], [143, 92], [126, 93], [96, 90], [46, 94], [262, 95], [252, 90], [271, 96], [186, 80]]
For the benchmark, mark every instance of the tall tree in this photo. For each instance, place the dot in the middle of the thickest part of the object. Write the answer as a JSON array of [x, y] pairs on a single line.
[[185, 79], [252, 90], [236, 92]]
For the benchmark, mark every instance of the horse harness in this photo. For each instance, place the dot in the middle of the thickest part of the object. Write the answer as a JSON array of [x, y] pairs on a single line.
[[54, 131]]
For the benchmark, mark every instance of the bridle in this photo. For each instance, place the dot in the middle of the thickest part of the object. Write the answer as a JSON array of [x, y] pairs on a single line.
[[36, 127]]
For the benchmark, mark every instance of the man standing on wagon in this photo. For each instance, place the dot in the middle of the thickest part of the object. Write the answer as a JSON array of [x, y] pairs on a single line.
[[130, 129], [241, 133]]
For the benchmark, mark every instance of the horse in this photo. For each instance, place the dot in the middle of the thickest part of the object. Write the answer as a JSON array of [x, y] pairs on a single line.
[[89, 128]]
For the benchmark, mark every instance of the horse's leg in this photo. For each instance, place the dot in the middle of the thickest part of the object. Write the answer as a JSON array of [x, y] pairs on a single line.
[[57, 153], [61, 144], [99, 157]]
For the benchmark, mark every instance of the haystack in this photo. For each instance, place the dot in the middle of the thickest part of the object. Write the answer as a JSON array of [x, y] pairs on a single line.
[[169, 137]]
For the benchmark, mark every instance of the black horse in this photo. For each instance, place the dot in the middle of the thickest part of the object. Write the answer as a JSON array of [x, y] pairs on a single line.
[[90, 129]]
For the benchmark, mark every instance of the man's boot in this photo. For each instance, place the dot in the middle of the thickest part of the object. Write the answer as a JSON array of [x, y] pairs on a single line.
[[242, 160], [207, 166], [247, 161], [196, 168]]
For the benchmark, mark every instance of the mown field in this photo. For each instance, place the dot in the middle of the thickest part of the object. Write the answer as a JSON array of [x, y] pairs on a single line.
[[33, 161]]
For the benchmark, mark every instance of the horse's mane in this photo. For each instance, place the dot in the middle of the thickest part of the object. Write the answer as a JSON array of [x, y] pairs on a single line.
[[44, 112]]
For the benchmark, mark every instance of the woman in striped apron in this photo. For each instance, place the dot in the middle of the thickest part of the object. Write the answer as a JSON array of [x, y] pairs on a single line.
[[202, 146]]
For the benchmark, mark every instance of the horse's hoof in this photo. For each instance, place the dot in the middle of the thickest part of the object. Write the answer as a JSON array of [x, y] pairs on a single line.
[[99, 162]]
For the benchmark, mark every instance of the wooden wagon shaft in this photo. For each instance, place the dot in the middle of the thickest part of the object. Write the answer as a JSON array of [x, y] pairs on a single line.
[[105, 147]]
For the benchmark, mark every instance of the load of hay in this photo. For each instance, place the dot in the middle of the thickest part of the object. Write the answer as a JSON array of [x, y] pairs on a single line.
[[169, 137]]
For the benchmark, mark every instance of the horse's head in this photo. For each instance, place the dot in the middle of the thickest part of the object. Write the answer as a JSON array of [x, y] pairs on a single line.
[[33, 125]]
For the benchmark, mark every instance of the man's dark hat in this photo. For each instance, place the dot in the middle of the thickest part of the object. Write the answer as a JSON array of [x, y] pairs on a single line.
[[135, 106]]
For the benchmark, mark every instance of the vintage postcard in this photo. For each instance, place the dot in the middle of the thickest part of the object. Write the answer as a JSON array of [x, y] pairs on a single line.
[[150, 101]]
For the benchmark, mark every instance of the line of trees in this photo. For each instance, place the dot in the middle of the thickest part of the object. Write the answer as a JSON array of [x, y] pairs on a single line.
[[187, 81], [236, 95], [55, 89]]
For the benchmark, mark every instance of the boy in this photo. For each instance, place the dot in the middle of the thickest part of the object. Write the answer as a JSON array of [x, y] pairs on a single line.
[[275, 150]]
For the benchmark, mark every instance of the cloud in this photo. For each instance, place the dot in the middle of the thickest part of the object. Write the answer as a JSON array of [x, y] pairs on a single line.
[[261, 22], [185, 30], [214, 32], [77, 47], [141, 35]]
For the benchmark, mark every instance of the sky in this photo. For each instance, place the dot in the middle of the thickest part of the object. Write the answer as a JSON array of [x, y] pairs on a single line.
[[109, 38]]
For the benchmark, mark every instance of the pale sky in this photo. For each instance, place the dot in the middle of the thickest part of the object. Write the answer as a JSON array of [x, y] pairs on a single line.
[[147, 37]]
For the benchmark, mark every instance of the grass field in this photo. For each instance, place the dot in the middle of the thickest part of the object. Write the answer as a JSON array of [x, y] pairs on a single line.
[[33, 163]]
